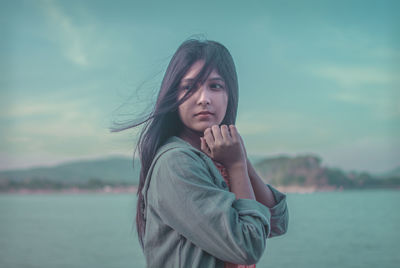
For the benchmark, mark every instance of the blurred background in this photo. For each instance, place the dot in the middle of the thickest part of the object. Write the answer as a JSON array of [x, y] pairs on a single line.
[[318, 111]]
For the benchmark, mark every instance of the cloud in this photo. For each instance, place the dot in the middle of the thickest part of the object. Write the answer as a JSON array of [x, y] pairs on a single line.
[[69, 36], [29, 108], [248, 124], [372, 87], [62, 127], [276, 131], [349, 76], [385, 104]]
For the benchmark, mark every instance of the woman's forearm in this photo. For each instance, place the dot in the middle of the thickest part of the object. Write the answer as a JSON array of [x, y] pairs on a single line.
[[261, 191], [240, 182]]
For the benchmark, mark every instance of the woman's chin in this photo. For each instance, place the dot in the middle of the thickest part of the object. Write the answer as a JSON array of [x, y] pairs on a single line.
[[202, 127]]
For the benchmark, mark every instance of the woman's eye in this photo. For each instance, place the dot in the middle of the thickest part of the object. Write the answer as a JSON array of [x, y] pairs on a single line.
[[217, 86], [186, 88]]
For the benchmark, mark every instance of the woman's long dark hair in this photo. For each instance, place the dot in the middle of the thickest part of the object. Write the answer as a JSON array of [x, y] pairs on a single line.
[[163, 122]]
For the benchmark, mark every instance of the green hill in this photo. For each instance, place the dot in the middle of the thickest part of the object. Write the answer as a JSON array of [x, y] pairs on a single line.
[[306, 170], [82, 174]]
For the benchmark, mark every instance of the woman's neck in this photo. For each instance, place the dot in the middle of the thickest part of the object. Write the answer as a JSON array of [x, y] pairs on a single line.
[[192, 137]]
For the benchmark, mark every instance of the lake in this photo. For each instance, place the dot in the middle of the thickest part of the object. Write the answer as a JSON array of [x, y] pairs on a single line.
[[326, 229]]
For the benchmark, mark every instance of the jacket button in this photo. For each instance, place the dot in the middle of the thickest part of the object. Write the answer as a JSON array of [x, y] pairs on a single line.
[[224, 184]]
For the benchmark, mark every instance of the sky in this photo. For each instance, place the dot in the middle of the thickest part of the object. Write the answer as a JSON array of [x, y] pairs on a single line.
[[315, 77]]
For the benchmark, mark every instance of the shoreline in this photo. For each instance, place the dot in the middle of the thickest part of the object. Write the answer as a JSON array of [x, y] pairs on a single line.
[[307, 189], [74, 190], [133, 190]]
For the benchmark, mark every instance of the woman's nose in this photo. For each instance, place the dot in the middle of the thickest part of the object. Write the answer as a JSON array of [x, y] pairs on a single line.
[[204, 97]]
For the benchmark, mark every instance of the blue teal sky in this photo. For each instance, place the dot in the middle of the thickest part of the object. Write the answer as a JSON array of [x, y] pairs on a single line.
[[317, 77]]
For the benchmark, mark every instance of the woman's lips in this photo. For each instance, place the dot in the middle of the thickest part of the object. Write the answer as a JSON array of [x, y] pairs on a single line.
[[204, 115]]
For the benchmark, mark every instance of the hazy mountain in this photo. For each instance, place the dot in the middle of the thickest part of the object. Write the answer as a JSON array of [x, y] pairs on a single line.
[[392, 173], [306, 170], [303, 170], [115, 169]]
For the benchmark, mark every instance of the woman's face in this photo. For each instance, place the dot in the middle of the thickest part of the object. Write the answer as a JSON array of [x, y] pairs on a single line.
[[207, 106]]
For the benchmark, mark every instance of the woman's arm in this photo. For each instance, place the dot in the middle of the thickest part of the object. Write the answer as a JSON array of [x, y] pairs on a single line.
[[244, 180], [273, 199], [240, 182], [261, 191], [223, 144]]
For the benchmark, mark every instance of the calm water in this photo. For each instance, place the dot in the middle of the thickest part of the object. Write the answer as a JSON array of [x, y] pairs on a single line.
[[336, 229]]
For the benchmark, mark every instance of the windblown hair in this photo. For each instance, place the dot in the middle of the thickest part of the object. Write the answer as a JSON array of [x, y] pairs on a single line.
[[164, 122]]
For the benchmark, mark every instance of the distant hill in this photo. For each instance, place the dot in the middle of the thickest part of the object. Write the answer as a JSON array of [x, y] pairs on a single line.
[[305, 170], [115, 170], [392, 173]]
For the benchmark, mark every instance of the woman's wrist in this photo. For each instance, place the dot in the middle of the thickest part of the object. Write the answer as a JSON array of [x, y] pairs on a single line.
[[250, 169], [240, 182], [237, 167]]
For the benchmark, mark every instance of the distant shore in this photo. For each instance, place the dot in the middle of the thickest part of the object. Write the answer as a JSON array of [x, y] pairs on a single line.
[[133, 190], [307, 189], [75, 190]]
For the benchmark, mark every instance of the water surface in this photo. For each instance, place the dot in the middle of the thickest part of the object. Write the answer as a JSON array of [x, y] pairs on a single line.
[[330, 229]]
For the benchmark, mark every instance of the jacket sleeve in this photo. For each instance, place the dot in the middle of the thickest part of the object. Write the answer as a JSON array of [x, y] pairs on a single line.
[[279, 214], [233, 230]]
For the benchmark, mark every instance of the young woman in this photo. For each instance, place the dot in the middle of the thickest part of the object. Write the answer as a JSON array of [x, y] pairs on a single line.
[[200, 201]]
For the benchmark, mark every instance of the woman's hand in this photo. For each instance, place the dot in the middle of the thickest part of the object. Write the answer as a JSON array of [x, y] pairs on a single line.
[[224, 145]]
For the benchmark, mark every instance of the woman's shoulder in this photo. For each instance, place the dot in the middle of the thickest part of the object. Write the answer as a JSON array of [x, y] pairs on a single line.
[[178, 155], [177, 161], [175, 148]]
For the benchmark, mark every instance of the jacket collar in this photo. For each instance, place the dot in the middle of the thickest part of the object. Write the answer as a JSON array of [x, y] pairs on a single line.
[[175, 142]]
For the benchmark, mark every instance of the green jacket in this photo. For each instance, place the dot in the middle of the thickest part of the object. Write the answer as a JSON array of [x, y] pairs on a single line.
[[192, 220]]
